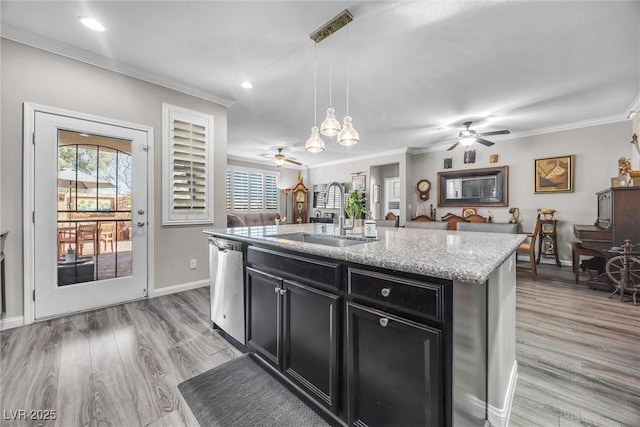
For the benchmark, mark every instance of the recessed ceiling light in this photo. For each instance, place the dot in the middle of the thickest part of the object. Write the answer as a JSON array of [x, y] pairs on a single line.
[[246, 85], [92, 24]]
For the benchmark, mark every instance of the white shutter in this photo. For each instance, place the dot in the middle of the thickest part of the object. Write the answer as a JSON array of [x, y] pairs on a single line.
[[187, 166], [252, 190]]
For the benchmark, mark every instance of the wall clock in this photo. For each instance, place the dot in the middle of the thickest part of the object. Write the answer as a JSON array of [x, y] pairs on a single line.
[[423, 188]]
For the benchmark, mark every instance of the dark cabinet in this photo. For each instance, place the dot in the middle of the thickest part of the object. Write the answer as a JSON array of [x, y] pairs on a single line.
[[295, 327], [310, 340], [394, 370], [264, 315]]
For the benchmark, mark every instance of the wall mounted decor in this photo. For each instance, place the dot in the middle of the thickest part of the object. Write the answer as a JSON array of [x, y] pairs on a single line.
[[493, 158], [358, 182], [474, 187], [554, 174], [470, 156], [448, 163]]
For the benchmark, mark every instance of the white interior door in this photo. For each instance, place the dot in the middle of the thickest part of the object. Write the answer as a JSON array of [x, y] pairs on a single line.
[[90, 226]]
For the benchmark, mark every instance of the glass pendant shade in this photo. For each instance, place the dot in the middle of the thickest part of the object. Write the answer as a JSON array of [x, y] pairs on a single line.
[[279, 160], [348, 135], [467, 140], [314, 144], [330, 126]]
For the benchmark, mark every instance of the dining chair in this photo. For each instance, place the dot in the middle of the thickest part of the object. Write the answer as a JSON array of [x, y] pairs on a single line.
[[431, 225], [87, 234], [488, 227], [529, 248], [66, 236], [106, 234]]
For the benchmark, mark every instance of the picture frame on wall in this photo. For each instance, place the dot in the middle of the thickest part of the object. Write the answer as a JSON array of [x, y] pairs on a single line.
[[376, 193], [554, 174], [358, 182]]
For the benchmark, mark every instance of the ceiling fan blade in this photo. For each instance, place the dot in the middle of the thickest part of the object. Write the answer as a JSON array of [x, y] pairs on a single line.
[[495, 132], [484, 142], [292, 161], [453, 146]]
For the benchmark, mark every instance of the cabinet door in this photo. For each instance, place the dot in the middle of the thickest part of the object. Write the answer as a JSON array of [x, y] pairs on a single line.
[[394, 370], [264, 322], [310, 353]]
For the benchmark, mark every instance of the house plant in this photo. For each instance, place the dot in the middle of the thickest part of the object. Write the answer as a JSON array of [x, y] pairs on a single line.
[[354, 209]]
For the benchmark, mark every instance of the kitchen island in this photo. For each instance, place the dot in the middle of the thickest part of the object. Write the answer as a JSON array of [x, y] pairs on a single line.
[[416, 327]]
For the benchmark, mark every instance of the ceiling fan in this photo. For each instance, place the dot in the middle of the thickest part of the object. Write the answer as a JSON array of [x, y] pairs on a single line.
[[467, 136], [281, 158]]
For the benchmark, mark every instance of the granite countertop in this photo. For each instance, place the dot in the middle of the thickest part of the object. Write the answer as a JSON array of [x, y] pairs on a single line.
[[456, 255]]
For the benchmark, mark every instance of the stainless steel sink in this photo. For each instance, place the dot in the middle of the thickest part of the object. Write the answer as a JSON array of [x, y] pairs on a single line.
[[323, 239]]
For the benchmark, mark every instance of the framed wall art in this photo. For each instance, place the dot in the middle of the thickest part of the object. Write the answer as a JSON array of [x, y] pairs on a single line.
[[358, 182], [554, 174]]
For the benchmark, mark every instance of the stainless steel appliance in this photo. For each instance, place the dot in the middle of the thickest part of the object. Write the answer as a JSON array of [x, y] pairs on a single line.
[[227, 286]]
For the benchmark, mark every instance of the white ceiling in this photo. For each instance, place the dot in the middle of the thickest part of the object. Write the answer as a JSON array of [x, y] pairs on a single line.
[[415, 67]]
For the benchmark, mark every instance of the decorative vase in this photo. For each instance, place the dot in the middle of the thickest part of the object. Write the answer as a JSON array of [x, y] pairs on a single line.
[[354, 227], [69, 257]]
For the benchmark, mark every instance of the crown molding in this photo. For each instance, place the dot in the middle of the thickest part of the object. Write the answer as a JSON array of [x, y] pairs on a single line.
[[358, 158], [534, 132], [263, 164], [28, 38]]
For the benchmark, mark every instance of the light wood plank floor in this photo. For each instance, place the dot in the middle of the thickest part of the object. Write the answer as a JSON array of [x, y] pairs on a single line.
[[578, 354]]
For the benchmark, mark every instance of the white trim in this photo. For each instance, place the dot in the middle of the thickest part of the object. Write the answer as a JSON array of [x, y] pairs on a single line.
[[358, 158], [11, 322], [29, 111], [635, 104], [168, 290], [499, 417], [44, 43]]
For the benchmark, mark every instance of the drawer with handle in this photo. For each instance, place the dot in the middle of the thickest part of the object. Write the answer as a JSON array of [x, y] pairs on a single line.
[[420, 298]]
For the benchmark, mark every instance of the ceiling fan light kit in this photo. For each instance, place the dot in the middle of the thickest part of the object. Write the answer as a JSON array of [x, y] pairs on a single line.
[[467, 137]]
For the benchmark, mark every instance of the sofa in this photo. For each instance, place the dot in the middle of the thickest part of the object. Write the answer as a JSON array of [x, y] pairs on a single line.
[[252, 219]]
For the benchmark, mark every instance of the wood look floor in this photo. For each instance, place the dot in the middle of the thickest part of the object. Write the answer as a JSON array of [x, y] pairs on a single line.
[[578, 354]]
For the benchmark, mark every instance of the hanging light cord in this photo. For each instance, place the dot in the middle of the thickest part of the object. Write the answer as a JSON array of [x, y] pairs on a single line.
[[315, 84], [330, 75], [348, 61]]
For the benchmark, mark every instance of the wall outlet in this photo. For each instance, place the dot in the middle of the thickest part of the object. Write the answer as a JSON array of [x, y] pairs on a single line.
[[193, 264]]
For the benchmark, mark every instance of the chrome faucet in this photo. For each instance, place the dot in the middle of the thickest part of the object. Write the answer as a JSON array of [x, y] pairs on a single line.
[[341, 213]]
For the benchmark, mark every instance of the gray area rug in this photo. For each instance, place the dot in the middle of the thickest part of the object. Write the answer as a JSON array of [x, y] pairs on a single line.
[[241, 393]]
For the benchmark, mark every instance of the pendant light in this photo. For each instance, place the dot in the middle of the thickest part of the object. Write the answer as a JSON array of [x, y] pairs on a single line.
[[330, 126], [348, 135], [315, 144]]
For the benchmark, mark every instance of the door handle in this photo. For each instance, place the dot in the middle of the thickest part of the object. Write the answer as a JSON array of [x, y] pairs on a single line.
[[141, 211], [384, 321]]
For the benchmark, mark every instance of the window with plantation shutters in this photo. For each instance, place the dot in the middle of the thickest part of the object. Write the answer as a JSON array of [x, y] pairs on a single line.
[[187, 166], [252, 190]]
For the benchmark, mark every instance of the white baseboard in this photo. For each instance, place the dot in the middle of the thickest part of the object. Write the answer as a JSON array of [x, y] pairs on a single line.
[[168, 290], [500, 417], [11, 322]]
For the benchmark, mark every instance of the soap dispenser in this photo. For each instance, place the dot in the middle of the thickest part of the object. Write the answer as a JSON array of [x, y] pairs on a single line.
[[370, 227]]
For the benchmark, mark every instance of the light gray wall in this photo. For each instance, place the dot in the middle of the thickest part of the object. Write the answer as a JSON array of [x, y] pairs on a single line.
[[596, 149], [36, 76], [342, 172]]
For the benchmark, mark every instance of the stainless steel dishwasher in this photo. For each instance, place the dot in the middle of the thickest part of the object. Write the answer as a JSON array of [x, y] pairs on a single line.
[[227, 286]]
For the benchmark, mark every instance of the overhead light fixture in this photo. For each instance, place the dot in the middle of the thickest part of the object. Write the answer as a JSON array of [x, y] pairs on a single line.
[[467, 137], [348, 135], [331, 126], [246, 85], [92, 24], [279, 158], [315, 144]]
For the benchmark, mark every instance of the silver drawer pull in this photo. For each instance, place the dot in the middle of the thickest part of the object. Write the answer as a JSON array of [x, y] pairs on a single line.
[[385, 292], [384, 321]]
